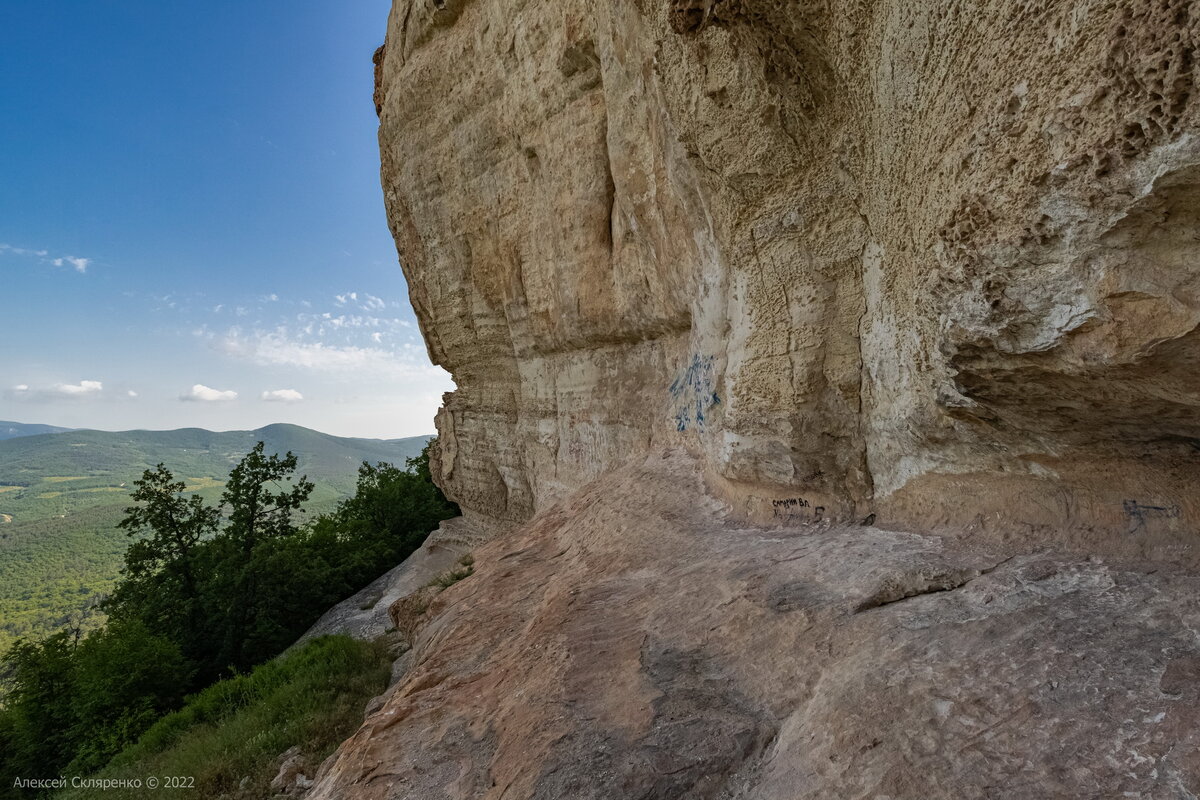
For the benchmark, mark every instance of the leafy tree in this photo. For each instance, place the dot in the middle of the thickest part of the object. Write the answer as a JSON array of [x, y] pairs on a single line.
[[39, 678], [259, 507], [201, 593], [161, 579], [257, 514], [125, 679], [389, 516]]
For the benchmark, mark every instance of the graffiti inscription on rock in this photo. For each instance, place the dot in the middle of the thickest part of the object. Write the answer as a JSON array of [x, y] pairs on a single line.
[[695, 394]]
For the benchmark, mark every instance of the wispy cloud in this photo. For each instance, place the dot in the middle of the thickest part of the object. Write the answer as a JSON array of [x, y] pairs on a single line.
[[282, 396], [84, 390], [367, 302], [280, 348], [204, 394], [79, 264], [23, 251]]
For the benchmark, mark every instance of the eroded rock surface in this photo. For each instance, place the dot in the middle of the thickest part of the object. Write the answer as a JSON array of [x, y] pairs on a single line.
[[635, 642], [828, 374], [935, 261]]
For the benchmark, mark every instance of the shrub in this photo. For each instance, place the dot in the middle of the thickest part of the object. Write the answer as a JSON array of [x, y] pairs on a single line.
[[311, 698]]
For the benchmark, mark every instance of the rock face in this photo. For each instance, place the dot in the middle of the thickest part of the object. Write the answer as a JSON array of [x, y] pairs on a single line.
[[830, 370], [635, 641], [935, 261]]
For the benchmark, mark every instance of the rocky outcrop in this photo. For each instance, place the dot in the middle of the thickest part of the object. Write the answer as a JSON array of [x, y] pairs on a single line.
[[365, 614], [636, 641], [829, 372], [931, 261]]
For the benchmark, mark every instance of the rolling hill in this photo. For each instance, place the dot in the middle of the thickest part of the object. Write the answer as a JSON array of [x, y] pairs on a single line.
[[62, 495], [11, 430]]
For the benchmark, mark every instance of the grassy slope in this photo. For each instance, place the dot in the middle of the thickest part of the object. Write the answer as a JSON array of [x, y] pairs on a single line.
[[312, 698], [64, 493]]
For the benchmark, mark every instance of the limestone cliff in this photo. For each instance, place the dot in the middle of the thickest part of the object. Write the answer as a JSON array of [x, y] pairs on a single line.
[[929, 266]]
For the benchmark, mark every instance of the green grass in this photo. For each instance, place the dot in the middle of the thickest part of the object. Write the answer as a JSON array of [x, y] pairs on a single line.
[[65, 493], [196, 484], [465, 569], [312, 698]]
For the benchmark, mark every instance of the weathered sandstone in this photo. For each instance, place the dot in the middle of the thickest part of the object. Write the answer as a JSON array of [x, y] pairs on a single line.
[[636, 643], [934, 261], [828, 373]]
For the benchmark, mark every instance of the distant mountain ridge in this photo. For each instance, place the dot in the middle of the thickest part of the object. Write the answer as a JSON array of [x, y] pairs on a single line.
[[194, 452], [62, 494], [11, 430]]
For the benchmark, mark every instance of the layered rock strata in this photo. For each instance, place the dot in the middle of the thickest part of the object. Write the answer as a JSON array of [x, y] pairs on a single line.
[[826, 376], [932, 261]]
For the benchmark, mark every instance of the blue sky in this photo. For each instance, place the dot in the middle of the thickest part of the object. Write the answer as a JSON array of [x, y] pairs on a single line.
[[190, 209]]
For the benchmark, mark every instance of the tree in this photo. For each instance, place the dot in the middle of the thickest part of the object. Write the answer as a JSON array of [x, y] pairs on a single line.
[[259, 510], [389, 516], [161, 581], [202, 593], [257, 514], [125, 679], [39, 704]]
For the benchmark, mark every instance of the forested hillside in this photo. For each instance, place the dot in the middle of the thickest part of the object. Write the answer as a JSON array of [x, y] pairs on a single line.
[[62, 495], [207, 592], [10, 430]]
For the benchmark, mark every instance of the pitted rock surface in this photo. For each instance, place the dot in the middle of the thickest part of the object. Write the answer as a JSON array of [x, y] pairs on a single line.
[[827, 374], [934, 261], [635, 642]]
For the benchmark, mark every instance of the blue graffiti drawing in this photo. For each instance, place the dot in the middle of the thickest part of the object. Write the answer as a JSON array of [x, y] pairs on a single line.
[[1139, 513], [695, 393]]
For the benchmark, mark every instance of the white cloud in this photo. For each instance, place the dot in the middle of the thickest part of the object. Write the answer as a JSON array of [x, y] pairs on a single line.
[[81, 389], [366, 301], [80, 264], [132, 393], [278, 349], [203, 394], [282, 396], [84, 390], [23, 251]]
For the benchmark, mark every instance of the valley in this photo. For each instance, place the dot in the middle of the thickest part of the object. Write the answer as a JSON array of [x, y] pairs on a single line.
[[63, 494]]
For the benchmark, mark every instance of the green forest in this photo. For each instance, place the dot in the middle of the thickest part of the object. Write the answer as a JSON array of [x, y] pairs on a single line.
[[211, 590], [63, 494]]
